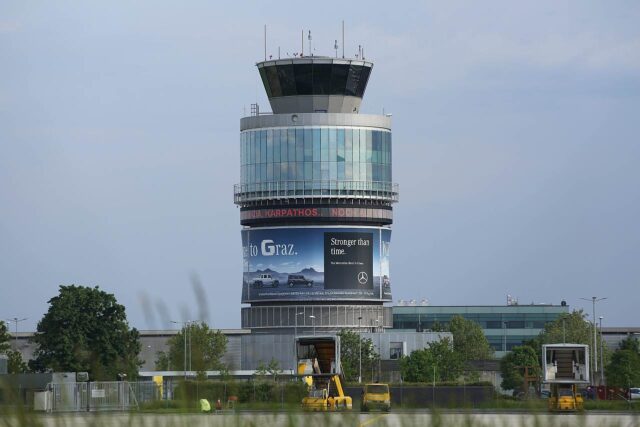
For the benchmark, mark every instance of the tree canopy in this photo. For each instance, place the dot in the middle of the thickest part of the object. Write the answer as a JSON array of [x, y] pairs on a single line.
[[469, 341], [512, 366], [624, 368], [571, 328], [85, 329], [438, 360], [4, 338], [205, 348], [350, 345]]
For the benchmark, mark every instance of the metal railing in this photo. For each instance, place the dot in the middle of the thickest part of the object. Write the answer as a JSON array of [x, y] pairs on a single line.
[[331, 189]]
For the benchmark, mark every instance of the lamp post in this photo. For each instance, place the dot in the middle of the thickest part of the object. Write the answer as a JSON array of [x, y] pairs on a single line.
[[15, 336], [601, 355], [295, 332], [594, 300], [359, 351], [185, 327], [313, 323]]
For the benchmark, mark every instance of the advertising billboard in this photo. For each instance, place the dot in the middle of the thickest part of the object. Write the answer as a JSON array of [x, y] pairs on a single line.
[[316, 263]]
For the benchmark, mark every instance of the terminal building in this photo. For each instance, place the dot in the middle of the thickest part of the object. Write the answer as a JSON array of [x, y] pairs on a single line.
[[315, 197]]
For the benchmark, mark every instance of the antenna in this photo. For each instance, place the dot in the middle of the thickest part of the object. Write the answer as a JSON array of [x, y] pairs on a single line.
[[343, 38], [302, 40], [265, 42], [278, 52], [335, 46], [309, 37]]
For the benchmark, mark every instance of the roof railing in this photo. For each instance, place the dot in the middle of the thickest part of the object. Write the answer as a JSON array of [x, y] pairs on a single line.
[[315, 189]]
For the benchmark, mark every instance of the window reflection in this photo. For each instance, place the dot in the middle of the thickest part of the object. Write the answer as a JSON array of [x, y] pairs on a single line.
[[315, 154]]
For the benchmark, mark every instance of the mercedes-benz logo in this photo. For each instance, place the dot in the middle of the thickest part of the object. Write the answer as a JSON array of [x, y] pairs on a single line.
[[363, 278]]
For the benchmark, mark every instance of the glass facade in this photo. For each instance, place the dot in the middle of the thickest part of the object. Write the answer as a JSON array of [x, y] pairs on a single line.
[[315, 154], [315, 79], [504, 326]]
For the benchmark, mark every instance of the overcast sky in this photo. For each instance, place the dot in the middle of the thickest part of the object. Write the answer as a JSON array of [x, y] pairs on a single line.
[[516, 146]]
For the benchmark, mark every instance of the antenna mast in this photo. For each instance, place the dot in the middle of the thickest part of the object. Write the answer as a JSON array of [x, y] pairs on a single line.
[[343, 38], [310, 49], [302, 41]]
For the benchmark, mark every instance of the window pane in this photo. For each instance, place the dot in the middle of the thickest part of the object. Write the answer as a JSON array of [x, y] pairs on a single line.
[[341, 145], [316, 145], [348, 146], [263, 146], [308, 171], [352, 80], [322, 79], [308, 145], [276, 146], [333, 171], [274, 81], [317, 176], [291, 145], [270, 146], [339, 73], [369, 147], [362, 83], [287, 79], [363, 145], [299, 145], [340, 170], [356, 146], [283, 145], [332, 145], [265, 81], [303, 75], [324, 145]]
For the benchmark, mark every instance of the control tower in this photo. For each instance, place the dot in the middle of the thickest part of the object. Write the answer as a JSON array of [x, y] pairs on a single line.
[[315, 198]]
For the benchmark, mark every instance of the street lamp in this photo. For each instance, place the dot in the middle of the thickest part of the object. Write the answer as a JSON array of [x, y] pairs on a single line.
[[359, 351], [601, 355], [594, 300], [16, 321], [295, 333], [185, 330], [313, 323]]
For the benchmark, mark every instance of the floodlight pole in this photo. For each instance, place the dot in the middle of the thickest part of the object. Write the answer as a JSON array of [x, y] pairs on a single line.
[[601, 355], [15, 336], [359, 351], [594, 300]]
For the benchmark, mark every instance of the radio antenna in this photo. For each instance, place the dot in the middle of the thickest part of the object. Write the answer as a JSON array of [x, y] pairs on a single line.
[[335, 46], [310, 49], [302, 40], [343, 38]]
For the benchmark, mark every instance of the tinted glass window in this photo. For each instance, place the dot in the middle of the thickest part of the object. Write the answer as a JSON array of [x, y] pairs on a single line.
[[265, 81], [352, 80], [339, 74], [287, 79], [322, 79], [362, 83], [304, 79], [274, 82]]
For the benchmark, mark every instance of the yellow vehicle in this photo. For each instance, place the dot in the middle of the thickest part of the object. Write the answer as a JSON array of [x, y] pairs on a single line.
[[565, 366], [376, 396], [318, 361], [565, 398]]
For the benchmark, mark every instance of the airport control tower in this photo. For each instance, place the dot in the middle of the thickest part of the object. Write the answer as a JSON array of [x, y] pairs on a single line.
[[315, 198]]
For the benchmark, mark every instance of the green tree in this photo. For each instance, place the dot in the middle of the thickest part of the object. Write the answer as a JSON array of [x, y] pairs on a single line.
[[205, 348], [439, 359], [624, 368], [351, 343], [469, 340], [4, 338], [512, 366], [15, 363], [85, 329], [571, 328], [271, 369]]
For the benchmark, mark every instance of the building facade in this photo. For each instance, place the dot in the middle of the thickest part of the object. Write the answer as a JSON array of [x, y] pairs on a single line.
[[315, 198], [505, 326]]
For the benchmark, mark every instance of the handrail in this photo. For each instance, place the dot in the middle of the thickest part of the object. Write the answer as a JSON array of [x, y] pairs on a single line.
[[379, 190]]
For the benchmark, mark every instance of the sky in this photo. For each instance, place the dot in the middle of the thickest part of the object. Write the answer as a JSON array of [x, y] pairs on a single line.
[[515, 129]]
